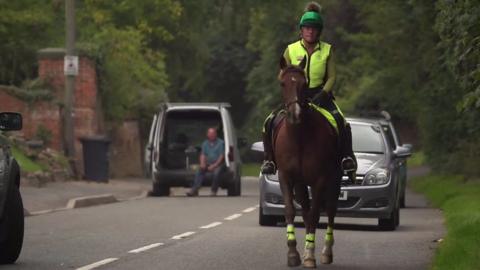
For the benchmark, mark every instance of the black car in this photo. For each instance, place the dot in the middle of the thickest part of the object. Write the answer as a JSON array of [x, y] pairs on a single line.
[[11, 206]]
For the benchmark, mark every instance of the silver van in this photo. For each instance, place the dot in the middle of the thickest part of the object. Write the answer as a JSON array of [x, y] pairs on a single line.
[[173, 148]]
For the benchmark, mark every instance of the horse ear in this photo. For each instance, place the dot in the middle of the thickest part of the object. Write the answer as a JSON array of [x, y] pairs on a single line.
[[283, 63], [303, 64]]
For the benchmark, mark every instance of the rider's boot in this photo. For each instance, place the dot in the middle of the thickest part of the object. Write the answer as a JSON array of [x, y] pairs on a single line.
[[349, 161], [268, 166]]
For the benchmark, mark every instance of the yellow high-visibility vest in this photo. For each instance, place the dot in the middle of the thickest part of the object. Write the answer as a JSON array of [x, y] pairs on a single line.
[[316, 67]]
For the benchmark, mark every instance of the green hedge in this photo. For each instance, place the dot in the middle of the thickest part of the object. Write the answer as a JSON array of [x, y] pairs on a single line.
[[460, 201]]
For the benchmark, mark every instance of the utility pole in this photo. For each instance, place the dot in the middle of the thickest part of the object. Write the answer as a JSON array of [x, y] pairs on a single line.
[[70, 70]]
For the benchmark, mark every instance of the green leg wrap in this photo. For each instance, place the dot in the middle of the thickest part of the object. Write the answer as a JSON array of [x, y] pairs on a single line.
[[310, 241], [329, 235], [290, 232]]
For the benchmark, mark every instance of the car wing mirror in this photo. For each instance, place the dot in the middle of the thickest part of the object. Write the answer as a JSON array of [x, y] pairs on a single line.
[[257, 147], [10, 121], [402, 152]]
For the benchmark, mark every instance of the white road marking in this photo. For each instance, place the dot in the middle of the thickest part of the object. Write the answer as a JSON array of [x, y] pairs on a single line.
[[145, 248], [183, 235], [232, 217], [97, 264], [211, 225], [250, 209]]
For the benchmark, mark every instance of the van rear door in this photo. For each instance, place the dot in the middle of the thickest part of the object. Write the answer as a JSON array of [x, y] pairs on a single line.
[[149, 147]]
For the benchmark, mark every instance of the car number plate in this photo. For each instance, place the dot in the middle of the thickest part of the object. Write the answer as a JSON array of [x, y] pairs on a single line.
[[343, 196]]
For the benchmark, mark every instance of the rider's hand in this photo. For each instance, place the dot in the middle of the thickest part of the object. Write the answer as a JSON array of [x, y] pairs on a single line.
[[211, 168]]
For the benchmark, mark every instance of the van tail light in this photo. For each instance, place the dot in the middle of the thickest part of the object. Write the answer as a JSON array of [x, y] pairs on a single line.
[[231, 156]]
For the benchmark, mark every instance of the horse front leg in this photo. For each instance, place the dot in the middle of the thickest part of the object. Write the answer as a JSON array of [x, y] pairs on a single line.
[[293, 257], [309, 260]]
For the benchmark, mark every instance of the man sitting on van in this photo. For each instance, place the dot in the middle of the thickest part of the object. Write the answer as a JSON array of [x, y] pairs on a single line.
[[211, 162]]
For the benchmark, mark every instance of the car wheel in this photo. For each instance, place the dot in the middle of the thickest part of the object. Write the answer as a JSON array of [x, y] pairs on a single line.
[[267, 220], [12, 228], [235, 188], [159, 190], [402, 201], [390, 223]]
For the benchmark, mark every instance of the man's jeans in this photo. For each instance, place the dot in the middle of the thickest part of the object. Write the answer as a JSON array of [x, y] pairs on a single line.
[[200, 176]]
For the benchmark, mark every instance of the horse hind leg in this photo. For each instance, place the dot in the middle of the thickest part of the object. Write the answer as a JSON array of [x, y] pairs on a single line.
[[293, 257], [327, 252]]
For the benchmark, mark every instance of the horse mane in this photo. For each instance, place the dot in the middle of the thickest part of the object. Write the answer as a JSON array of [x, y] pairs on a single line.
[[292, 68]]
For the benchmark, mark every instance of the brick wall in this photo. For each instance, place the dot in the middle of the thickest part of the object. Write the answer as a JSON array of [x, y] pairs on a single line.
[[88, 120], [35, 115]]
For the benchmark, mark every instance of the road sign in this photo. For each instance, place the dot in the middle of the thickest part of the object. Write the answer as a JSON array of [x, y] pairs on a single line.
[[70, 67]]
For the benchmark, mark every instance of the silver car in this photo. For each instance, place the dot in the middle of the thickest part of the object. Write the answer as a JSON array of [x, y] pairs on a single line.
[[377, 190]]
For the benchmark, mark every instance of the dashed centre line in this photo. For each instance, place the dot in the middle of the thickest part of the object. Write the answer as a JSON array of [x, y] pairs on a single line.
[[175, 237], [250, 209], [232, 217], [211, 225], [183, 235], [145, 248], [97, 264]]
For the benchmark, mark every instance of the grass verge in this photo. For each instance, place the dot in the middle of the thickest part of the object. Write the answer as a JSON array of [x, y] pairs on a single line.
[[460, 201], [25, 163], [250, 169], [417, 159]]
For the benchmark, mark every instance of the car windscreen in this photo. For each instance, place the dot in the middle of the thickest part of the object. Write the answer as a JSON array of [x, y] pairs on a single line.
[[367, 139]]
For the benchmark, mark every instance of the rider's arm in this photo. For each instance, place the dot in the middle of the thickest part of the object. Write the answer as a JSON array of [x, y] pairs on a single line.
[[331, 73]]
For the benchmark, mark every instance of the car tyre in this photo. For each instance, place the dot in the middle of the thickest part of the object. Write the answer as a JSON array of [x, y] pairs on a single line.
[[160, 190], [12, 228], [268, 220], [390, 223], [235, 188], [402, 201]]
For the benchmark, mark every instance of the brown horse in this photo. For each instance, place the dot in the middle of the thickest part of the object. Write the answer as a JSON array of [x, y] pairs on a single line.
[[306, 152]]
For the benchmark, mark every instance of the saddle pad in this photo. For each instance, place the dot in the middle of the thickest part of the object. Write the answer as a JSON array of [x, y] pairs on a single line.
[[326, 114]]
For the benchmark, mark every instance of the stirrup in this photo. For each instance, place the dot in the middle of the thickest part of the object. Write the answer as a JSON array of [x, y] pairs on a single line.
[[348, 165], [268, 167]]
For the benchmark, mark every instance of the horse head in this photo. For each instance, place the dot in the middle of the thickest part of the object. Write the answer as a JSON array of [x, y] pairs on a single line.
[[293, 81]]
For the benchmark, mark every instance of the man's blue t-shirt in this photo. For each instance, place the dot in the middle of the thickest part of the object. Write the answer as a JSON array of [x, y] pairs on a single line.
[[213, 151]]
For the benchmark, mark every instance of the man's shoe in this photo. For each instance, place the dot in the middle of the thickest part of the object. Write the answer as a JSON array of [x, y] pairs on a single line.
[[213, 194], [268, 167], [192, 193]]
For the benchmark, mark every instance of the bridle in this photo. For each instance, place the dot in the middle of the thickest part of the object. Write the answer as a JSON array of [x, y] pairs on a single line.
[[301, 103]]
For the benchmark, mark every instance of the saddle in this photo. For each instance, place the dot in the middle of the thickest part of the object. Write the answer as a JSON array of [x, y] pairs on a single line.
[[277, 121]]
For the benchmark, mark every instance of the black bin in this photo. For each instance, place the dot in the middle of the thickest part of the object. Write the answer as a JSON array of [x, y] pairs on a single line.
[[95, 158]]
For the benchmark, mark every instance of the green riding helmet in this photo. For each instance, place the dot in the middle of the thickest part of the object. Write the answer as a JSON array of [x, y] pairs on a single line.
[[312, 19]]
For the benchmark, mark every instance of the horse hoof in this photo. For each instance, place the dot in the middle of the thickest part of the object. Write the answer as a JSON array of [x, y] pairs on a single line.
[[326, 259], [309, 263], [294, 259]]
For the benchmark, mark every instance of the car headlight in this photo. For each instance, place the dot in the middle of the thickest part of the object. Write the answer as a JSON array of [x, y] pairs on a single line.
[[377, 177]]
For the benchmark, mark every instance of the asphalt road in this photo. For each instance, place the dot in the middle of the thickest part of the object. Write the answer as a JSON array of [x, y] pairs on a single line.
[[166, 233]]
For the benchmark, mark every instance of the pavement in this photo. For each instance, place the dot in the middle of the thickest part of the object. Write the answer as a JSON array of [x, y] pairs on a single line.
[[179, 232], [61, 195]]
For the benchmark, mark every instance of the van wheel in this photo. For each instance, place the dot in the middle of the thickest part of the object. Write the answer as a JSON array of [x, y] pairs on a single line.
[[12, 228], [391, 223], [159, 190], [235, 188]]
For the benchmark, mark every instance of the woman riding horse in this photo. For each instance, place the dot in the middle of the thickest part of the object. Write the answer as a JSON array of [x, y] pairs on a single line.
[[320, 72]]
